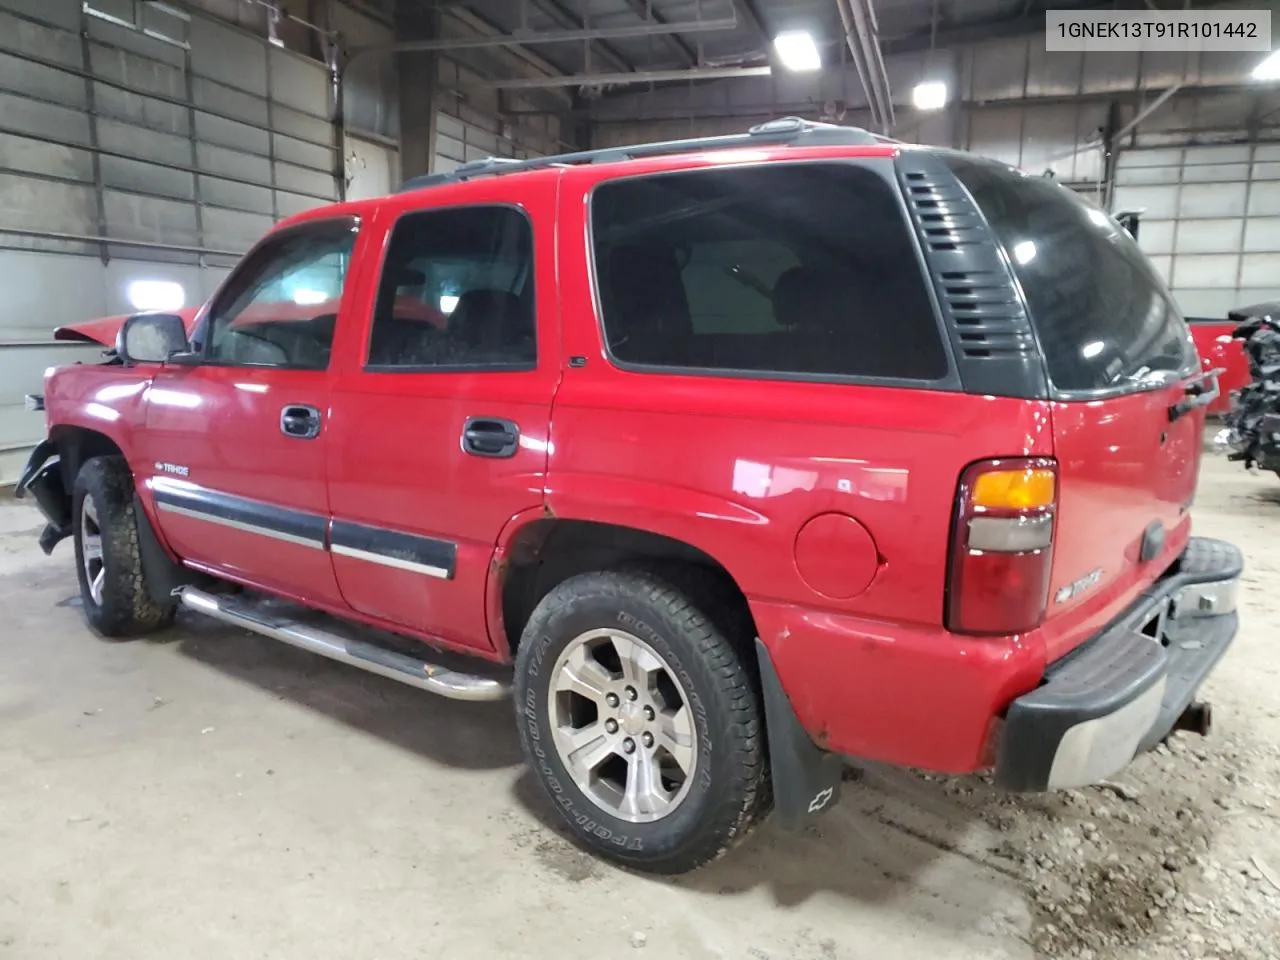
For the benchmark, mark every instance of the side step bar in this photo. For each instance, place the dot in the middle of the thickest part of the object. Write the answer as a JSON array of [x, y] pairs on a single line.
[[386, 663]]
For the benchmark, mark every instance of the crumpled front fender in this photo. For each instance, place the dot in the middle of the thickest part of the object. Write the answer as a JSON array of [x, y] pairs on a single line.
[[42, 479]]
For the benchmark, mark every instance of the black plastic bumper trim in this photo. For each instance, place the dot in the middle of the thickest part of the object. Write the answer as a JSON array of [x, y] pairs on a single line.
[[1115, 674]]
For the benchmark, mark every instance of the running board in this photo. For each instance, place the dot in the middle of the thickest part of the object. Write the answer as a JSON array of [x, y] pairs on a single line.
[[386, 663]]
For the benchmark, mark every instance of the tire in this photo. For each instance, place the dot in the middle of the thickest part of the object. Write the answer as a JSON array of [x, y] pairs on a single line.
[[706, 709], [105, 529]]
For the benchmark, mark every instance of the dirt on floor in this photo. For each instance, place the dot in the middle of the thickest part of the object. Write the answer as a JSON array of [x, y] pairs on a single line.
[[211, 794]]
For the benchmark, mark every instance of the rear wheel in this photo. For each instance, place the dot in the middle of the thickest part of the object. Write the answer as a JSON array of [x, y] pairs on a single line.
[[641, 721], [108, 560]]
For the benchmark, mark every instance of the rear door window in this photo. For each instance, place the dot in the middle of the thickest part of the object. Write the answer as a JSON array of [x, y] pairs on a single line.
[[1103, 316], [456, 293], [801, 270]]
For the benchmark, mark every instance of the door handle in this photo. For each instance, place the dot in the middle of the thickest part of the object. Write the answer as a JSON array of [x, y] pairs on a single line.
[[490, 437], [300, 421]]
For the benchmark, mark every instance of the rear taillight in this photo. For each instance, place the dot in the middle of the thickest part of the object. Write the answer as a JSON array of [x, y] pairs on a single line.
[[1002, 546]]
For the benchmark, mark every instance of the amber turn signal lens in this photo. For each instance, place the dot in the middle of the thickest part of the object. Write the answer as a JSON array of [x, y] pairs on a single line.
[[1025, 489]]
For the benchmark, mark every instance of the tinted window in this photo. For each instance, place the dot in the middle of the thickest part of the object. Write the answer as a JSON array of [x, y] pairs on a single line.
[[1102, 314], [456, 292], [281, 307], [804, 269]]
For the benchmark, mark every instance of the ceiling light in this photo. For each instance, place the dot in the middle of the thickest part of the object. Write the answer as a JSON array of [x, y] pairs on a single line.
[[1269, 68], [1024, 252], [797, 51], [929, 96]]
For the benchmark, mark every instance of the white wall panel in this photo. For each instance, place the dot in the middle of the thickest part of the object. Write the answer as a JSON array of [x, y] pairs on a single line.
[[371, 168], [1261, 234], [1215, 208]]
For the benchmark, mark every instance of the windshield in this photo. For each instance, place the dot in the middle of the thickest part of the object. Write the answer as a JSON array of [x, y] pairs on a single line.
[[1104, 318]]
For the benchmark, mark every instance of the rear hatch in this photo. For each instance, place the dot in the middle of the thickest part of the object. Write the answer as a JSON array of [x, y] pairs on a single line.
[[1128, 410]]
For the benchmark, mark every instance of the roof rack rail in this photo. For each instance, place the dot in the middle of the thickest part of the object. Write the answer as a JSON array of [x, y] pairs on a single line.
[[789, 131]]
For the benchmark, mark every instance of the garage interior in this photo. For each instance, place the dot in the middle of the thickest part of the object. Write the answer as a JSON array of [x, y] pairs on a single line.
[[216, 794]]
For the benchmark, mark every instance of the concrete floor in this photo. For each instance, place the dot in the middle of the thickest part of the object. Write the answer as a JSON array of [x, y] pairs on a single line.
[[211, 794]]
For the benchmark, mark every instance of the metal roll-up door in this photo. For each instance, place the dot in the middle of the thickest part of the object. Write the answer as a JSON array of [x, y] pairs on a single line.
[[1210, 221], [138, 142]]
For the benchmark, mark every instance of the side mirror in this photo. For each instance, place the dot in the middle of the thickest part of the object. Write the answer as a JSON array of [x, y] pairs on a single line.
[[151, 338]]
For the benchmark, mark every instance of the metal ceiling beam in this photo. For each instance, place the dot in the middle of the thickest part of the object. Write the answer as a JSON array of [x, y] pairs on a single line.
[[645, 10], [747, 13], [568, 20], [859, 22], [533, 38], [1145, 112], [801, 108], [636, 76], [483, 27]]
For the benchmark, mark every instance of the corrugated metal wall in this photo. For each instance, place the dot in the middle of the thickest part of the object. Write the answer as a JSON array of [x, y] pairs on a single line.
[[1211, 221], [137, 142], [471, 124]]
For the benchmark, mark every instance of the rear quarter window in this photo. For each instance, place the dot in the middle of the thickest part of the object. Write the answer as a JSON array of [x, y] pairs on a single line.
[[803, 270], [1102, 315]]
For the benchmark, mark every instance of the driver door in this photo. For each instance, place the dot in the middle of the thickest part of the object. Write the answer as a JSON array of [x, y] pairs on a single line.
[[235, 442]]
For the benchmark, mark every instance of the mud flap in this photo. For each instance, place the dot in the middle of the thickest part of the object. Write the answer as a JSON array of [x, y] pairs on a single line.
[[162, 576], [806, 778]]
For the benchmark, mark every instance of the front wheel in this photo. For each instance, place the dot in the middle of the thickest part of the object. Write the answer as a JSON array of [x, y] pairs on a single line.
[[641, 721], [108, 560]]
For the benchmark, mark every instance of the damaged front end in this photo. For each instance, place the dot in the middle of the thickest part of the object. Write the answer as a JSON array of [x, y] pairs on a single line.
[[42, 479]]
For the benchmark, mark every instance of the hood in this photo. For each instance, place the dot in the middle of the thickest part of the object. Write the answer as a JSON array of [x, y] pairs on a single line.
[[104, 330]]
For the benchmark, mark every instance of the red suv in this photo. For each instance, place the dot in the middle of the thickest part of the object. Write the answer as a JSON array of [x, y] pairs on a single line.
[[751, 454]]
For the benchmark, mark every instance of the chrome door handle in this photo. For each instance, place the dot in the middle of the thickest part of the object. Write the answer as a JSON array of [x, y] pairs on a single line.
[[300, 422]]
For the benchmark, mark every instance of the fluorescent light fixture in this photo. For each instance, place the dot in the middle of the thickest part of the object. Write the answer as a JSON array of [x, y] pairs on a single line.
[[1024, 252], [797, 51], [162, 295], [448, 303], [1269, 68], [305, 296], [929, 96]]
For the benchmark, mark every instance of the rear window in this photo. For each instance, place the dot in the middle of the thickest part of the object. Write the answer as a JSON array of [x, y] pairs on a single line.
[[1103, 316], [801, 270]]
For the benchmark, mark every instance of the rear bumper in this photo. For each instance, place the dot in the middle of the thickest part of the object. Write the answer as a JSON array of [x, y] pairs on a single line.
[[1122, 692]]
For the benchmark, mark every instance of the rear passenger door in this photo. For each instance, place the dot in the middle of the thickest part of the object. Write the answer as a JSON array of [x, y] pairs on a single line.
[[439, 434]]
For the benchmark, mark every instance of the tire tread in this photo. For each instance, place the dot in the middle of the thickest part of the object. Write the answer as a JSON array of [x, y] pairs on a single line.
[[127, 609], [702, 624]]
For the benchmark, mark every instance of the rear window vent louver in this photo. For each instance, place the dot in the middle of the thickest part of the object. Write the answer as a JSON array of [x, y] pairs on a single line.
[[974, 285]]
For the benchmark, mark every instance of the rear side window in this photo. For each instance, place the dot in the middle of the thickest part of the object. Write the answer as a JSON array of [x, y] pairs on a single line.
[[456, 293], [1103, 316], [797, 270]]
